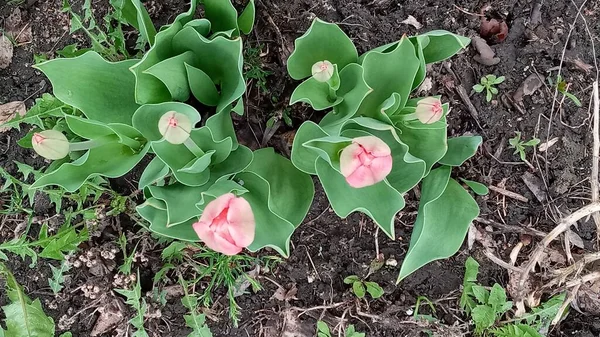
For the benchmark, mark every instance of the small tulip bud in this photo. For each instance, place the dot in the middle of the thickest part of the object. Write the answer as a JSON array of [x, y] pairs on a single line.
[[429, 110], [365, 162], [322, 71], [50, 144], [175, 127], [227, 224]]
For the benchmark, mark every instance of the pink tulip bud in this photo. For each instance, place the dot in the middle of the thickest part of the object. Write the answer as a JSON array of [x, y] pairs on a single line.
[[429, 110], [322, 71], [227, 224], [175, 127], [50, 144], [365, 162]]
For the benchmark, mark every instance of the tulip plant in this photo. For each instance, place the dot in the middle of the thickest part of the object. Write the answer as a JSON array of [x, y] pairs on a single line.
[[376, 142], [200, 184]]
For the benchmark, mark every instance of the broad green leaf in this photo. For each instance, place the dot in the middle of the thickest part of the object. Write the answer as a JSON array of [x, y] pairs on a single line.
[[246, 19], [136, 15], [484, 317], [305, 158], [442, 45], [359, 289], [460, 149], [71, 176], [202, 26], [419, 43], [172, 72], [23, 317], [220, 58], [154, 211], [425, 141], [374, 289], [237, 161], [202, 86], [146, 118], [314, 93], [353, 89], [481, 293], [179, 200], [471, 270], [322, 41], [381, 201], [198, 325], [351, 279], [198, 165], [322, 327], [478, 188], [221, 14], [445, 213], [497, 298], [221, 127], [154, 172], [389, 73], [102, 90]]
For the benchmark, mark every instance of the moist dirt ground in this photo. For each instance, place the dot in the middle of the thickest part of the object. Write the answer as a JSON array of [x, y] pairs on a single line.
[[326, 248]]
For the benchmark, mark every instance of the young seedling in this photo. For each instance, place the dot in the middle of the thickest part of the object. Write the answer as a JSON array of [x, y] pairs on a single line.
[[361, 287], [323, 331], [520, 145], [563, 87], [488, 83]]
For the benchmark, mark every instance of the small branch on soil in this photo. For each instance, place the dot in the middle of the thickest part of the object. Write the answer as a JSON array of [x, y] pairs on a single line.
[[586, 278], [511, 228], [560, 228], [464, 96], [595, 154], [508, 193], [565, 304], [320, 307], [501, 263]]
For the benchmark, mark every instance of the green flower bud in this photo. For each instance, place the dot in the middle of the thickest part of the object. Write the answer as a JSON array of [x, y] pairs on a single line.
[[175, 127], [50, 144]]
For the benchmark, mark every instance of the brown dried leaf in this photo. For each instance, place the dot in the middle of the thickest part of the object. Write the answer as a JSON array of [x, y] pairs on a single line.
[[530, 85], [413, 22], [110, 317], [6, 52], [493, 30], [8, 111], [286, 295], [588, 298], [535, 185], [546, 145]]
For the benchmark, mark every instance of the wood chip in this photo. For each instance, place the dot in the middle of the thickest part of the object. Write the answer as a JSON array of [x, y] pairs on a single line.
[[413, 22], [6, 52], [530, 85], [508, 193], [8, 111], [535, 185], [546, 145]]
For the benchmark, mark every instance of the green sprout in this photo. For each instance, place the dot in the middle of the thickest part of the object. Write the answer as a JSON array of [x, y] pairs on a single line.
[[520, 145], [563, 87], [323, 331], [488, 83], [361, 287]]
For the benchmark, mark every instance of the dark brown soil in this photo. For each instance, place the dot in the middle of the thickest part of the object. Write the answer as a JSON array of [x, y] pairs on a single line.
[[325, 248]]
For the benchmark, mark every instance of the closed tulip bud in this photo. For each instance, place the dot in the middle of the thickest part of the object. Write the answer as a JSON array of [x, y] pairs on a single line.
[[365, 162], [175, 127], [429, 110], [322, 71], [226, 225], [50, 144]]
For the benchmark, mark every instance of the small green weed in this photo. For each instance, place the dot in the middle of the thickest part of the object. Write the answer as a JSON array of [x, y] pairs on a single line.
[[488, 83], [563, 87], [194, 319], [323, 331], [283, 114], [253, 68], [520, 145], [361, 287], [134, 298]]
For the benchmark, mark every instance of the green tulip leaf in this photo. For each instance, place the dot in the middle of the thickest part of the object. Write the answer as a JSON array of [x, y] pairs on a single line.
[[221, 14], [202, 86], [460, 149], [146, 118], [389, 73], [198, 165], [180, 201], [345, 199], [71, 176], [322, 41], [88, 128], [478, 188], [102, 90], [246, 19], [155, 212], [445, 214], [314, 93], [153, 173], [221, 127], [418, 44], [302, 157], [202, 26], [172, 72], [237, 161], [137, 16], [390, 105], [218, 189], [441, 45]]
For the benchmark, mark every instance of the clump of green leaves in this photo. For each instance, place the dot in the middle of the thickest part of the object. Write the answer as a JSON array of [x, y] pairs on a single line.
[[520, 145], [488, 83], [194, 319], [134, 299], [486, 306], [23, 317], [563, 87], [58, 276], [361, 287], [323, 331], [254, 69]]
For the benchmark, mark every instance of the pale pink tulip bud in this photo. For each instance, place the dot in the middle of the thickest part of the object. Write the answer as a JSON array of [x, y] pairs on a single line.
[[50, 144], [175, 127], [226, 225], [365, 162], [322, 71], [429, 110]]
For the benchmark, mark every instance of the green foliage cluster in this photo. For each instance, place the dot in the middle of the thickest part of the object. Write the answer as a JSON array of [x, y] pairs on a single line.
[[361, 287], [488, 83], [323, 331], [520, 145]]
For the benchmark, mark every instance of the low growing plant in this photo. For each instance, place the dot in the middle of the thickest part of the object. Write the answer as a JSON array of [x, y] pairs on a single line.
[[361, 287], [520, 145], [563, 87], [323, 331], [377, 143], [488, 83]]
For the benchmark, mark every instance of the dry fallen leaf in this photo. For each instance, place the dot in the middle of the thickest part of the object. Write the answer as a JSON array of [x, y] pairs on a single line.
[[413, 22], [286, 295], [575, 239], [588, 298], [110, 317], [19, 31], [546, 145], [530, 85], [8, 111], [493, 30], [6, 52]]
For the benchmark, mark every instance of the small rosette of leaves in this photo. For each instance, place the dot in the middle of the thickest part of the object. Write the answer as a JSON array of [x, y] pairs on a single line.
[[199, 57], [369, 96]]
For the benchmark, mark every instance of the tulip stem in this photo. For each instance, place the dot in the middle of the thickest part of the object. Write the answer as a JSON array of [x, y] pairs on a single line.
[[332, 93], [407, 117], [132, 143], [92, 143], [193, 147]]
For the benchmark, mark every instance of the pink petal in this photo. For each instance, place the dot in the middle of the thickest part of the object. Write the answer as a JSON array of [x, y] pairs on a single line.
[[362, 177], [374, 145], [214, 241], [429, 110], [241, 222], [215, 207], [349, 159]]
